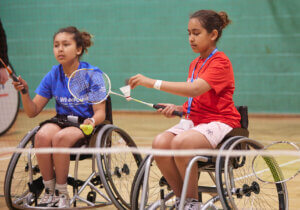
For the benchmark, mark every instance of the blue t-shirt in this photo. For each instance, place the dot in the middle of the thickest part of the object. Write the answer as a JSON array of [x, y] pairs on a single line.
[[55, 84]]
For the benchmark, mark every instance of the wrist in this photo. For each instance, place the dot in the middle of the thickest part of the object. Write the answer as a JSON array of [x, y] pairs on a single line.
[[92, 120], [157, 84]]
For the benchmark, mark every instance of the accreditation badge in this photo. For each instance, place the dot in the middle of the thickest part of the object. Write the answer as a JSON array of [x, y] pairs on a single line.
[[186, 124]]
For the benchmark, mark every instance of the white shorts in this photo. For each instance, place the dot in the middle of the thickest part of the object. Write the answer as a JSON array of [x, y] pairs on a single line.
[[213, 131]]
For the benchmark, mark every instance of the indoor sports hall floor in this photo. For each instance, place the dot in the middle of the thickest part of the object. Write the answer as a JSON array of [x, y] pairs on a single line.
[[142, 127]]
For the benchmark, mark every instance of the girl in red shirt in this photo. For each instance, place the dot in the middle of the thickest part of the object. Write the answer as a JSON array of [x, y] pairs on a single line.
[[210, 112]]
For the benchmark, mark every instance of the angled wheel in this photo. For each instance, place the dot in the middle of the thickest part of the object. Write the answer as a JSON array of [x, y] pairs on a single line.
[[22, 174], [238, 187], [156, 183], [117, 170]]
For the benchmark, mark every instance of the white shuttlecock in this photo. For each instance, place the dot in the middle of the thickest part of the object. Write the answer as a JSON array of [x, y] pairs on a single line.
[[126, 92]]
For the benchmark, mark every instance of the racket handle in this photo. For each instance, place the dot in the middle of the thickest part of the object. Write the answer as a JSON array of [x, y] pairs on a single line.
[[15, 79], [176, 113]]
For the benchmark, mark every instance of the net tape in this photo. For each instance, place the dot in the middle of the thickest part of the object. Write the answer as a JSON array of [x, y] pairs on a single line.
[[150, 151]]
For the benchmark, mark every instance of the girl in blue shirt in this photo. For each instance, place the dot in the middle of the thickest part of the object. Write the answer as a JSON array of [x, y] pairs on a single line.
[[69, 44]]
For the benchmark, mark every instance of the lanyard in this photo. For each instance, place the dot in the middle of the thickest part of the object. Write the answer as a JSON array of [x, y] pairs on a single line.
[[192, 79]]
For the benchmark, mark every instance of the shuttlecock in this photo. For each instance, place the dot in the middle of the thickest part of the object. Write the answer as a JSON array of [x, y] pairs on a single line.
[[126, 92]]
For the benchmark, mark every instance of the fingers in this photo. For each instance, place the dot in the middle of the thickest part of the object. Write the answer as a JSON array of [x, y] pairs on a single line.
[[140, 80], [20, 85], [168, 110], [133, 81], [88, 122]]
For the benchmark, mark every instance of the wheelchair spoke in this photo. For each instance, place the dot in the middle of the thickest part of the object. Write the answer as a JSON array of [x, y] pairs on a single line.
[[118, 169], [156, 183]]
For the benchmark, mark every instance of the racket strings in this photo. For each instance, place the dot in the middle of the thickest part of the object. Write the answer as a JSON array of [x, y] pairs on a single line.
[[90, 86], [276, 169]]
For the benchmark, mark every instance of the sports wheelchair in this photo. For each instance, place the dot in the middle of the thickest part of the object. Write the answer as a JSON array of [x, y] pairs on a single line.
[[229, 181], [23, 181]]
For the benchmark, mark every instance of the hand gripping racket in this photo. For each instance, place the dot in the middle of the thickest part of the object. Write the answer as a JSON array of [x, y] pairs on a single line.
[[12, 75], [93, 86], [157, 106]]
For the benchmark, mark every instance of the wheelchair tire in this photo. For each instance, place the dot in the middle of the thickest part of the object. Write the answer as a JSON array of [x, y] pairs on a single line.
[[18, 177], [117, 170], [156, 184], [9, 106], [239, 190]]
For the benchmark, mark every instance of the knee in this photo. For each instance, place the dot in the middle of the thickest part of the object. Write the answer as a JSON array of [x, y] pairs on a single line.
[[42, 139], [59, 140], [179, 142], [160, 142]]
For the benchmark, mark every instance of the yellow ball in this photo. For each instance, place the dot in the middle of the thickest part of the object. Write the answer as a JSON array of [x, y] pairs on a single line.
[[87, 129]]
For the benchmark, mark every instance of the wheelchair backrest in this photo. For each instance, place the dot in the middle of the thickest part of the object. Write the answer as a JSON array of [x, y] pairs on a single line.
[[243, 110], [108, 110]]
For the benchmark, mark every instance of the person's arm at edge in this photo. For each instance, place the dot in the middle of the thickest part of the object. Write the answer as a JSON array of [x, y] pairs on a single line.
[[186, 89]]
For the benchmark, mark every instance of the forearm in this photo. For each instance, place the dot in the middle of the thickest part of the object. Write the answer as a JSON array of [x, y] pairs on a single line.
[[186, 89], [99, 113], [99, 117], [30, 107]]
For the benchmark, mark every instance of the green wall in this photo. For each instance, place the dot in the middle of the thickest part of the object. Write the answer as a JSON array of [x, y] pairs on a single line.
[[150, 37]]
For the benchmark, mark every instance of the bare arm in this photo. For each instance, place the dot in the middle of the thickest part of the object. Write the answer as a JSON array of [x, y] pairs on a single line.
[[31, 107], [186, 89], [99, 114], [35, 106]]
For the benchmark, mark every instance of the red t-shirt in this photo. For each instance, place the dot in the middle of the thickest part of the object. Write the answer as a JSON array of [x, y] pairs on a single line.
[[217, 103]]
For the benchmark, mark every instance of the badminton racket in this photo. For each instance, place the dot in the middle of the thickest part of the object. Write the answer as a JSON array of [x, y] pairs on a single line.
[[157, 106], [279, 168], [12, 75], [93, 86]]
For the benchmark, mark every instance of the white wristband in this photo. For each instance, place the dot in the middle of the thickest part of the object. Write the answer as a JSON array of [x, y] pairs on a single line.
[[92, 119], [157, 84]]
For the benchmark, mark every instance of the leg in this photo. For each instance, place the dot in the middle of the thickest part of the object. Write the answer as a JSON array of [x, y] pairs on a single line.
[[43, 138], [167, 165], [67, 137], [189, 140]]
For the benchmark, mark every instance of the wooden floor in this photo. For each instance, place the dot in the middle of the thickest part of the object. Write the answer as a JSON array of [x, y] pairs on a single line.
[[143, 127]]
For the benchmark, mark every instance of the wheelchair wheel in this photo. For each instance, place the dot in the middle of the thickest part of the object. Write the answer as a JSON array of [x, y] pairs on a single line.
[[9, 106], [117, 170], [23, 174], [238, 187], [156, 183]]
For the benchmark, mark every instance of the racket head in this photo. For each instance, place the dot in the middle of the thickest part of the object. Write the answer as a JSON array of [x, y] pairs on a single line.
[[279, 168], [90, 86]]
